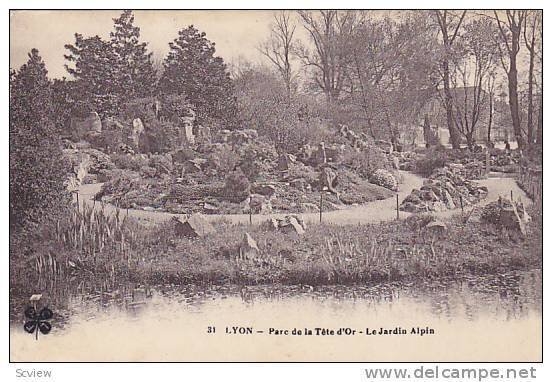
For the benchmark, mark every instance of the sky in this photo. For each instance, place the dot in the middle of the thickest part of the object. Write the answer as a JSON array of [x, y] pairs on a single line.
[[237, 34]]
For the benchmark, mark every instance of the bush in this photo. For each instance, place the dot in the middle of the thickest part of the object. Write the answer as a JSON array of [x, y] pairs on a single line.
[[162, 163], [237, 185], [385, 179], [432, 160], [224, 159], [250, 165], [129, 162], [300, 171], [366, 162]]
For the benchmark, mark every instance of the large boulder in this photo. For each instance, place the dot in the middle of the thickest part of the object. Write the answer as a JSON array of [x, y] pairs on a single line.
[[263, 189], [196, 226], [80, 126], [319, 157], [99, 161], [507, 214], [183, 154], [292, 224], [288, 224], [136, 133], [284, 162], [240, 137], [257, 204], [248, 247], [328, 179]]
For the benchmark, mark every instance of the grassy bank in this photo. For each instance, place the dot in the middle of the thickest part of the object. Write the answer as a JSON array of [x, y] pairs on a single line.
[[97, 246]]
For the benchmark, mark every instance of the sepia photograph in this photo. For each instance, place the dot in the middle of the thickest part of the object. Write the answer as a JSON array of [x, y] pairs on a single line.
[[276, 185]]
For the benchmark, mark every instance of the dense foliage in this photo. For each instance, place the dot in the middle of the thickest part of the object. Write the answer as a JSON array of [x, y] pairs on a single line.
[[37, 170], [192, 69]]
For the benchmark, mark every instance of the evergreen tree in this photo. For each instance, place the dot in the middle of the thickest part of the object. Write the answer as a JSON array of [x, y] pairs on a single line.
[[135, 73], [64, 103], [37, 170], [95, 69], [192, 69]]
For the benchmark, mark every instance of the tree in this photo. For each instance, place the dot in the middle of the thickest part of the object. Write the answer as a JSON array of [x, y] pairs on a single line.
[[64, 95], [95, 70], [491, 93], [135, 74], [37, 170], [191, 69], [330, 32], [449, 32], [530, 37], [510, 31], [279, 46], [475, 72], [391, 80], [264, 106]]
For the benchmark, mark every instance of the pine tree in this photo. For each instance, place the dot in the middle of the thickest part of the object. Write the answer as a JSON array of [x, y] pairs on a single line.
[[192, 69], [95, 70], [135, 73], [37, 170], [64, 104]]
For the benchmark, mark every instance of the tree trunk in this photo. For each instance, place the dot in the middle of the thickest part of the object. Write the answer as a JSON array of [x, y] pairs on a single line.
[[490, 125], [514, 107], [469, 140], [513, 93], [530, 101], [539, 123], [427, 131], [454, 135]]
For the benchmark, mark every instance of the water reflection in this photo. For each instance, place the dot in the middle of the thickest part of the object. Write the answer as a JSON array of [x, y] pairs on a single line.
[[493, 305]]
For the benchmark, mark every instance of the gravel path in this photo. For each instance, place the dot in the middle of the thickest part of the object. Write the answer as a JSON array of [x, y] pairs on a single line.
[[374, 212]]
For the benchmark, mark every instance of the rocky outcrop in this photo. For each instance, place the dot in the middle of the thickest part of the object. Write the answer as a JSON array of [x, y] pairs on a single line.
[[136, 133], [263, 189], [288, 224], [80, 126], [192, 227], [248, 247], [328, 179], [284, 162], [257, 204], [507, 214], [445, 189]]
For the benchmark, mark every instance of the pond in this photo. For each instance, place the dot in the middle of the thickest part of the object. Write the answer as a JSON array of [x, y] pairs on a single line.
[[484, 318]]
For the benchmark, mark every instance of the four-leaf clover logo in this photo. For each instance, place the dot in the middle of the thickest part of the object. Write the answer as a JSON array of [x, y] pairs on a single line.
[[38, 321]]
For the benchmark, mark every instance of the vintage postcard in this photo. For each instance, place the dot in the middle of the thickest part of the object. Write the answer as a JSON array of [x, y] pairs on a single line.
[[276, 185]]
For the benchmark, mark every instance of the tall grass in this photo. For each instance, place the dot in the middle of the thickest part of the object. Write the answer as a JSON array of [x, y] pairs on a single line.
[[91, 240], [112, 249]]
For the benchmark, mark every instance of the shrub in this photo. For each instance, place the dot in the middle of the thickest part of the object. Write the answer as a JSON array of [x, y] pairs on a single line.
[[237, 185], [148, 172], [366, 162], [224, 159], [250, 166], [162, 163], [129, 162], [385, 179], [300, 171], [432, 160]]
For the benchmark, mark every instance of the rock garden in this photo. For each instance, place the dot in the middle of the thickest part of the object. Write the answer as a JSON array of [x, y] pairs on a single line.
[[228, 172]]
